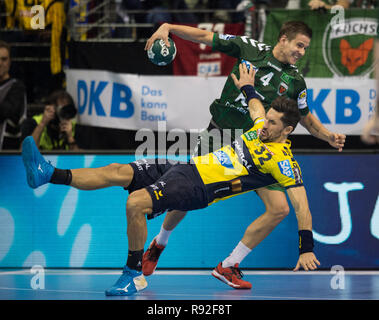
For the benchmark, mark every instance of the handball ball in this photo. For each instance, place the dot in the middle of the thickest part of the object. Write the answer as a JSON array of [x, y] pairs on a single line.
[[160, 54]]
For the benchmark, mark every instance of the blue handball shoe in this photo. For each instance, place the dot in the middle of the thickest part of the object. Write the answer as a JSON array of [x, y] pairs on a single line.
[[38, 170], [130, 282]]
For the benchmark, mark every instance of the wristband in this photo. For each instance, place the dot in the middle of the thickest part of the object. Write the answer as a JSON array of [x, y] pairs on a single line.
[[305, 241], [249, 92]]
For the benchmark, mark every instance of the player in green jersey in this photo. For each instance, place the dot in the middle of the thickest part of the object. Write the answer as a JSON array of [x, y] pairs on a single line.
[[276, 75]]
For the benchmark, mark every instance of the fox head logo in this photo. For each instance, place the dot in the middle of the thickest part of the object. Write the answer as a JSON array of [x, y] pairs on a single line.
[[352, 58]]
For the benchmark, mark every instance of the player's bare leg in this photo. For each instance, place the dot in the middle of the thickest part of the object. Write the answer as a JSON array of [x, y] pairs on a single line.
[[138, 205], [131, 281], [276, 210], [152, 254], [96, 178]]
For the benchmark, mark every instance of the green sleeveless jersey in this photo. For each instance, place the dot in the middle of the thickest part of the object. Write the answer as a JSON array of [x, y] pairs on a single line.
[[272, 79]]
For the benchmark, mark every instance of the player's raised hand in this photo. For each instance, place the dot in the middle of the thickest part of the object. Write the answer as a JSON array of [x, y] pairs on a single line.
[[307, 261], [161, 33], [247, 76]]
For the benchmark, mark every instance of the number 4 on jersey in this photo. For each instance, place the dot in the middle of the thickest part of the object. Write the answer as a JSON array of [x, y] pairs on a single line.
[[266, 78]]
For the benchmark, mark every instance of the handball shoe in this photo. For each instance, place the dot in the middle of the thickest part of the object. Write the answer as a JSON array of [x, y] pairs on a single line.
[[232, 276], [130, 282], [38, 170], [150, 257]]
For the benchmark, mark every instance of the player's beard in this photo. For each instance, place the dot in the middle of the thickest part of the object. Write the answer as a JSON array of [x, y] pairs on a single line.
[[269, 137]]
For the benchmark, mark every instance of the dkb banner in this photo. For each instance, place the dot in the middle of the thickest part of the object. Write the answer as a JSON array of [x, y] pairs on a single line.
[[128, 101]]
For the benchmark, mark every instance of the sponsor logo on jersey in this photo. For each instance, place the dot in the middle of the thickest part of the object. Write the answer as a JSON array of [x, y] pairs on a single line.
[[239, 149], [302, 99], [251, 135], [226, 36], [158, 194], [353, 41], [286, 78], [248, 64], [285, 168], [282, 88], [297, 174], [223, 158], [274, 66]]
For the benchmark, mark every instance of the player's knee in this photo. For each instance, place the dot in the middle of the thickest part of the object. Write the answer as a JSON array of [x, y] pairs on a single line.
[[279, 211], [138, 204]]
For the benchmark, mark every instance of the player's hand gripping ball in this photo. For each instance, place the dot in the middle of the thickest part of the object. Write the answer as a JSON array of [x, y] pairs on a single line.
[[160, 54]]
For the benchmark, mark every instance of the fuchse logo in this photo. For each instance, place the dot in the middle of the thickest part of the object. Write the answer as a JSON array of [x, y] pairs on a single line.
[[348, 47]]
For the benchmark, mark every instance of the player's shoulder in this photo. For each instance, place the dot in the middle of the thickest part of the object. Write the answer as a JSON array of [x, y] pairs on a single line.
[[294, 72]]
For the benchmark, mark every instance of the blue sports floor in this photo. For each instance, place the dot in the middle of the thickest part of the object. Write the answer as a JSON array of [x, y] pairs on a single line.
[[82, 284]]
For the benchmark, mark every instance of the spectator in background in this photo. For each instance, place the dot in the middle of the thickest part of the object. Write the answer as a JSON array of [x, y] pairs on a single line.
[[54, 129], [12, 102], [327, 4]]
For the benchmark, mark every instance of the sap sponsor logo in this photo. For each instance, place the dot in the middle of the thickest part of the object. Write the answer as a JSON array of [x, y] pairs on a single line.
[[89, 99], [224, 159], [285, 168], [348, 110]]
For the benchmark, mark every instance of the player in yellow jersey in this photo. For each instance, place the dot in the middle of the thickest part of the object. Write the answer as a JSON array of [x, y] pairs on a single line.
[[260, 157]]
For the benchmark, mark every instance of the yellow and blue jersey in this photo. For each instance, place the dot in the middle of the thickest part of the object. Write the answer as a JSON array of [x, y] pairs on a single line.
[[247, 164]]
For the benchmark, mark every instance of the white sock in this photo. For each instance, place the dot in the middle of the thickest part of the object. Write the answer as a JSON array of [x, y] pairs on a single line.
[[162, 237], [238, 254]]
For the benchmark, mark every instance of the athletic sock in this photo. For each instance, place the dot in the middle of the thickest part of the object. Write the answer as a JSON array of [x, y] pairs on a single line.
[[135, 260], [61, 176], [238, 254], [162, 237]]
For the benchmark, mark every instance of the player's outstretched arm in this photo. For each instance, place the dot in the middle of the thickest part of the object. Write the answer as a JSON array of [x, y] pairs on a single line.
[[184, 32], [316, 129], [307, 259], [247, 78]]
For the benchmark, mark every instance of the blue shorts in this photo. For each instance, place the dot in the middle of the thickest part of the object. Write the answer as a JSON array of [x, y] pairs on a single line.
[[171, 187]]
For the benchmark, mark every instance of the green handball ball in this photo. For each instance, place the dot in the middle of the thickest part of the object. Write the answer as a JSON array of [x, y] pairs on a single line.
[[160, 54]]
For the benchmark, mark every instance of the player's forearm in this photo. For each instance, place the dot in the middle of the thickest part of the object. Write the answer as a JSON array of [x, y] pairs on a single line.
[[299, 201], [315, 127], [304, 219], [256, 109], [191, 33]]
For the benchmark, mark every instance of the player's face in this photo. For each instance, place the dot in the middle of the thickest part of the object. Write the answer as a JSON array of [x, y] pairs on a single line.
[[294, 49], [273, 128], [5, 63]]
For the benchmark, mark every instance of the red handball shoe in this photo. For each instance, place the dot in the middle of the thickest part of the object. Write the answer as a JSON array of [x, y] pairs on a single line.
[[232, 276], [150, 258]]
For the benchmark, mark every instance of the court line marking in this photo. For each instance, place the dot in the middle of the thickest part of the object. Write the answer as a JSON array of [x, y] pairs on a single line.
[[186, 272], [189, 296]]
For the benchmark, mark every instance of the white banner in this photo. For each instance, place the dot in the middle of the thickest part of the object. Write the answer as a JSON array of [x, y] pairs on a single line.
[[342, 105], [127, 101]]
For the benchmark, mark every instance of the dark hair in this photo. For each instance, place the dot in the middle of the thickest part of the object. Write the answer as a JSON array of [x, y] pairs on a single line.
[[66, 109], [57, 96], [5, 45], [292, 28], [289, 107]]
